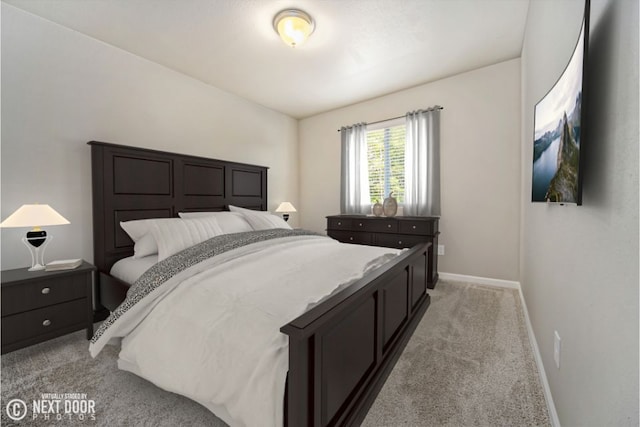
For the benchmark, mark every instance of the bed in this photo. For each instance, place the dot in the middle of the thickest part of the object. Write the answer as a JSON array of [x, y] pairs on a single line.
[[370, 320]]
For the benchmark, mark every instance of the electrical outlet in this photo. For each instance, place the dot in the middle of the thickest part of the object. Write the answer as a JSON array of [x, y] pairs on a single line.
[[557, 341], [440, 249]]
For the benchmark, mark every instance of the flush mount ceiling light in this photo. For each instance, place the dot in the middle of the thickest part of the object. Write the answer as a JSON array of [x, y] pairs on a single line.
[[294, 26]]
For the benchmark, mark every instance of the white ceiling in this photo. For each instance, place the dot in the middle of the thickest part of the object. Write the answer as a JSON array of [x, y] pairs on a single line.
[[360, 49]]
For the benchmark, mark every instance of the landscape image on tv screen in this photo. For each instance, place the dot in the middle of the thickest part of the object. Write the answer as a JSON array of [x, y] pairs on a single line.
[[556, 147]]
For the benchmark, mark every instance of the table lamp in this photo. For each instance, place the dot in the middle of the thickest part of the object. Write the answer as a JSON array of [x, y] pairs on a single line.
[[34, 217], [285, 208]]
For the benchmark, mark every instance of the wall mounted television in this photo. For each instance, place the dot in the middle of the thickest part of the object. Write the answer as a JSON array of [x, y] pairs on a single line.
[[559, 131]]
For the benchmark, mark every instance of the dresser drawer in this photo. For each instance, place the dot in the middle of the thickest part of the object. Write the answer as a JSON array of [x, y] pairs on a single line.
[[398, 240], [352, 237], [41, 293], [338, 224], [416, 227], [44, 321], [381, 225], [359, 224]]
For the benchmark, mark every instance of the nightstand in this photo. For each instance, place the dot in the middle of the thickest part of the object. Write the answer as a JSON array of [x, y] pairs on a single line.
[[40, 305]]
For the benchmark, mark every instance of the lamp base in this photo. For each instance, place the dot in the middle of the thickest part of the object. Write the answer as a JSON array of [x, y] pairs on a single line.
[[285, 216], [37, 267], [37, 245]]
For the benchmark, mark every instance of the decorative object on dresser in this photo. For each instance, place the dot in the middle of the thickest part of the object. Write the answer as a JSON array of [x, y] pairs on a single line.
[[38, 306], [396, 232], [286, 208], [377, 209], [35, 216], [390, 206]]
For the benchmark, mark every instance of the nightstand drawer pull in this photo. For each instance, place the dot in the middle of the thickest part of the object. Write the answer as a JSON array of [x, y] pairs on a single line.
[[388, 225], [46, 322], [45, 290], [414, 227], [360, 225], [399, 242], [351, 238], [339, 223]]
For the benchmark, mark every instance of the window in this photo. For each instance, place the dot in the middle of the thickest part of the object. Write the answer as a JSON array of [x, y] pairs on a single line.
[[400, 155], [385, 155]]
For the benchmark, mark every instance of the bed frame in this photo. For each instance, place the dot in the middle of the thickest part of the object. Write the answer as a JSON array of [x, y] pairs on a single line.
[[340, 352]]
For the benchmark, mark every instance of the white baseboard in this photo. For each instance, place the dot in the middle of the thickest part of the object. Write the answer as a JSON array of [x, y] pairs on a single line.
[[553, 414], [480, 280], [551, 407]]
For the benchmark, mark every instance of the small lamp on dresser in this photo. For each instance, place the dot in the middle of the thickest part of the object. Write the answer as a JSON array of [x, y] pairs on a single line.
[[35, 216], [285, 209]]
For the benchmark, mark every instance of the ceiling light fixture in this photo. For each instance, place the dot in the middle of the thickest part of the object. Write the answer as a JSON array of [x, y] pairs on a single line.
[[294, 26]]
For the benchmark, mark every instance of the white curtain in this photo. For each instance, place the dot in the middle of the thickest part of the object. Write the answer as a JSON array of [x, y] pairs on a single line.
[[354, 194], [422, 163]]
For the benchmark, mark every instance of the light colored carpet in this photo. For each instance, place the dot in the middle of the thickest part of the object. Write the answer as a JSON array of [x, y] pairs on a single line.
[[468, 363], [63, 365]]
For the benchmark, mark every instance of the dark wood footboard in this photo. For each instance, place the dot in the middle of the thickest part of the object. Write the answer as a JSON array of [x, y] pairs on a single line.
[[341, 351]]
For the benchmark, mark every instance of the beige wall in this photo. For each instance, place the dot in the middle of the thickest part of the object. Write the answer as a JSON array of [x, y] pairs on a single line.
[[579, 265], [61, 89], [480, 169]]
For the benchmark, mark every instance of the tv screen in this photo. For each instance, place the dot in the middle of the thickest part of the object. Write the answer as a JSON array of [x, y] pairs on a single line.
[[558, 131]]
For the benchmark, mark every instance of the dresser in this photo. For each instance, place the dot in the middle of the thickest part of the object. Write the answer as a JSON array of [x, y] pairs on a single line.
[[396, 232], [40, 305]]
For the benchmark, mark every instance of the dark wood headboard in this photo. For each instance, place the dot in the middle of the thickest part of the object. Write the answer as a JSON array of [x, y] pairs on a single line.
[[137, 183]]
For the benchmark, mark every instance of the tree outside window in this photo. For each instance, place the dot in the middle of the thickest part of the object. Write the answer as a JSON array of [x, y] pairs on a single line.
[[385, 154]]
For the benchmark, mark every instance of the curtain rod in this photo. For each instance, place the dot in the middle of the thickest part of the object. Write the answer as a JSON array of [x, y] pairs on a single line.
[[437, 107]]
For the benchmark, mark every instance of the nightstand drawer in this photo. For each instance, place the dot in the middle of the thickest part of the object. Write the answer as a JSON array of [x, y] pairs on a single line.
[[44, 321], [41, 293]]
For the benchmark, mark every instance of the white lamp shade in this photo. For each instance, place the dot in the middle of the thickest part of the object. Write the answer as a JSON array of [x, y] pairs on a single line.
[[34, 216], [286, 207]]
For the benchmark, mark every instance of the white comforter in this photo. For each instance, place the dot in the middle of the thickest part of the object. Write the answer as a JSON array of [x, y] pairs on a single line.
[[211, 333]]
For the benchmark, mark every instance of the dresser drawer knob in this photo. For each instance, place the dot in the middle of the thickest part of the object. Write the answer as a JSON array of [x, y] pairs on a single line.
[[360, 225], [45, 291], [351, 238], [414, 227], [46, 322], [339, 223], [399, 242], [388, 225]]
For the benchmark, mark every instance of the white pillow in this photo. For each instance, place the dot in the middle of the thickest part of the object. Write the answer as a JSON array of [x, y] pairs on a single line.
[[145, 246], [261, 220], [136, 229], [229, 222], [139, 231], [175, 236]]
